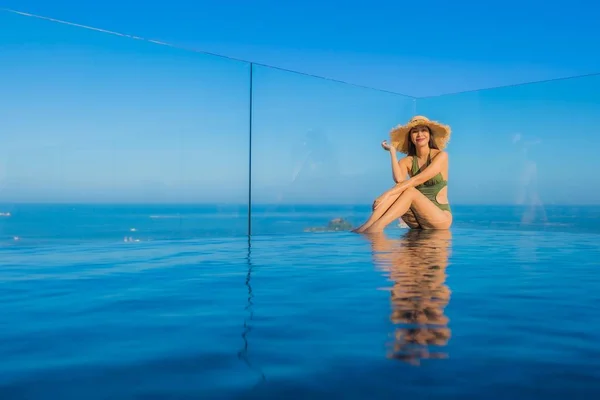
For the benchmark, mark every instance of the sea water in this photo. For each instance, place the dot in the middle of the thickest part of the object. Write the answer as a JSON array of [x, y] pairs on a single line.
[[499, 307], [37, 224]]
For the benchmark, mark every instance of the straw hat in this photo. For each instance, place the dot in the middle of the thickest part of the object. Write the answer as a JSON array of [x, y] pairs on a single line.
[[439, 132]]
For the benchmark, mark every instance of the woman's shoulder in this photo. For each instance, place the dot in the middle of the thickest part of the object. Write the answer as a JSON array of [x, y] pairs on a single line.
[[438, 153], [406, 160]]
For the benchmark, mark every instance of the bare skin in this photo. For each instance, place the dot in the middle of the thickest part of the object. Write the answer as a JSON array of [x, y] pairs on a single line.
[[416, 266], [403, 200]]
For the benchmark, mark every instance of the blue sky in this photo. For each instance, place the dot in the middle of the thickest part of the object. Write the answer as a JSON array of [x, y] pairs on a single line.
[[419, 48], [89, 116]]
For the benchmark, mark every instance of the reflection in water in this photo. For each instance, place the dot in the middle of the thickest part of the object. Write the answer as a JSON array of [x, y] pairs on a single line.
[[528, 194], [243, 353], [314, 166], [313, 156], [527, 249], [416, 265]]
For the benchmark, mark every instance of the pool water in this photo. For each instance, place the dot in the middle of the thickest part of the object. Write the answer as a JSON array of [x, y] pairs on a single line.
[[469, 314]]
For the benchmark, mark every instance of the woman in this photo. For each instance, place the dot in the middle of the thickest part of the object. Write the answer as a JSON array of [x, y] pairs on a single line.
[[422, 199], [416, 265]]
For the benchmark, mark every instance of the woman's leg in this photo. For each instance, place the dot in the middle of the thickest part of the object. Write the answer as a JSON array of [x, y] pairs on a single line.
[[409, 217], [411, 220], [427, 213], [377, 213]]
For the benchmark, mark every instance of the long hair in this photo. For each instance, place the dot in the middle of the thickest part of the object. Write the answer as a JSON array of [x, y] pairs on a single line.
[[412, 149]]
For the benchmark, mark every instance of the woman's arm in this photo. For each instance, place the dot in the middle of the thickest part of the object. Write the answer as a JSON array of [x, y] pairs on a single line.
[[438, 163], [399, 169]]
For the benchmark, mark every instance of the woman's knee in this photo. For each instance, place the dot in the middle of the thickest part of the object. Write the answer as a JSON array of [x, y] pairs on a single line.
[[409, 192]]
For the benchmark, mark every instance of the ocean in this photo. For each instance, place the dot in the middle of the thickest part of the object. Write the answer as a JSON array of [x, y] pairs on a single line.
[[177, 302], [37, 224]]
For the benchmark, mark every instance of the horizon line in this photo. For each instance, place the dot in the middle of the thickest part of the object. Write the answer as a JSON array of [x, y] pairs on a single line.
[[245, 204]]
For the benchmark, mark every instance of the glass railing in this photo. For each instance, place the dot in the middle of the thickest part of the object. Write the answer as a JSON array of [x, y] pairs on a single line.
[[528, 149], [106, 137], [116, 138], [316, 153]]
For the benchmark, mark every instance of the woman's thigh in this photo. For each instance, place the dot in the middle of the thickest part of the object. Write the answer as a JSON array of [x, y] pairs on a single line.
[[428, 214], [411, 219]]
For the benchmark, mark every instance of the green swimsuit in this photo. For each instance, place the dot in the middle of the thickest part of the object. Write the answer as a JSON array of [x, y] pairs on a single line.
[[432, 187]]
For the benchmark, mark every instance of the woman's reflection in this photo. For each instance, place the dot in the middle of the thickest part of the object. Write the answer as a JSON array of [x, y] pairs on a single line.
[[314, 167], [528, 194], [416, 265]]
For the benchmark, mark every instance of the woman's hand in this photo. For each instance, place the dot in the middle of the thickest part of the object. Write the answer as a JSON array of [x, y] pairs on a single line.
[[380, 199], [387, 146], [393, 192]]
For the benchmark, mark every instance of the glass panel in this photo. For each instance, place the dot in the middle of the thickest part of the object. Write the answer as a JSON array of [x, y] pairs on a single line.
[[104, 140], [316, 151], [523, 156], [106, 137]]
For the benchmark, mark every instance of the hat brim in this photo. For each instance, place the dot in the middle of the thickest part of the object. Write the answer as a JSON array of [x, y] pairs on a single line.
[[439, 132]]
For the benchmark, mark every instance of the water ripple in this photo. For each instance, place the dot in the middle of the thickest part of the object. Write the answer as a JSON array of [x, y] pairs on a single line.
[[467, 314]]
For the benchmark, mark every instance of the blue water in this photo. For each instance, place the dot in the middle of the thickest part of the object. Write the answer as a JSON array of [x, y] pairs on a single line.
[[36, 224], [505, 310]]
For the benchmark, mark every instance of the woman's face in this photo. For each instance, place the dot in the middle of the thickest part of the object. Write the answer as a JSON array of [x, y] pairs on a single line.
[[419, 135]]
